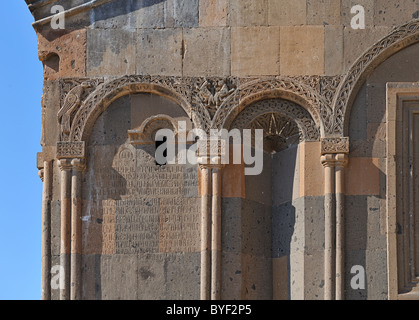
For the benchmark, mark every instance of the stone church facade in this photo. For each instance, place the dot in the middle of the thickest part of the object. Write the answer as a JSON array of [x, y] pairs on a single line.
[[334, 213]]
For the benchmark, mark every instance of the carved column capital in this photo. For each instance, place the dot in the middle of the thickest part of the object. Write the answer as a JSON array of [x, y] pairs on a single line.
[[338, 160], [78, 164], [211, 153], [65, 164], [341, 160]]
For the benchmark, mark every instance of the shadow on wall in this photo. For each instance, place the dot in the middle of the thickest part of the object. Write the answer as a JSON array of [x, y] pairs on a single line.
[[111, 15], [285, 240]]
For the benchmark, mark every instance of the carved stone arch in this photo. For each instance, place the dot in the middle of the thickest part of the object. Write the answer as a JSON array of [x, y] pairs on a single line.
[[400, 38], [98, 101], [286, 110], [279, 88]]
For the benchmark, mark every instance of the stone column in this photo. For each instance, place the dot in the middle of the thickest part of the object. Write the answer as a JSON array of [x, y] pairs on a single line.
[[329, 224], [65, 167], [216, 234], [341, 161], [76, 225], [205, 232], [334, 158], [70, 155], [46, 175], [210, 153]]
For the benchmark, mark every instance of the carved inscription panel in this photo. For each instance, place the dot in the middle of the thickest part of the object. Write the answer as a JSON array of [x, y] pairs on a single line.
[[135, 206]]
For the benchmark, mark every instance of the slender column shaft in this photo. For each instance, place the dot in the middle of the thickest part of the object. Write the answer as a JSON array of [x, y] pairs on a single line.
[[340, 223], [205, 233], [76, 245], [329, 249], [46, 232], [216, 235], [65, 166]]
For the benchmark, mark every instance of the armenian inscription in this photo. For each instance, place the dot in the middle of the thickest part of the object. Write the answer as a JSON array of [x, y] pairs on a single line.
[[147, 208]]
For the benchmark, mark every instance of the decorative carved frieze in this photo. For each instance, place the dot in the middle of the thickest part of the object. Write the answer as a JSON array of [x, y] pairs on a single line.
[[212, 103], [335, 145], [212, 93], [69, 150]]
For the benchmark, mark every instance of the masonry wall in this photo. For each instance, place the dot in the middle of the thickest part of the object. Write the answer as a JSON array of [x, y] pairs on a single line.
[[366, 223], [246, 39]]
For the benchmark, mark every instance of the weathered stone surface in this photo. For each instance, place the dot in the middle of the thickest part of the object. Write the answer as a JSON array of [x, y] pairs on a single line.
[[213, 13], [71, 51], [110, 45], [285, 13], [206, 52], [388, 13], [311, 172], [323, 12], [243, 13], [180, 13], [112, 15], [333, 50], [285, 176], [302, 50], [150, 13], [362, 177], [159, 52], [255, 51]]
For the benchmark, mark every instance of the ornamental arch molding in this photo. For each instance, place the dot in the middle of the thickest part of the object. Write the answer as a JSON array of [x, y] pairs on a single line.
[[282, 88], [98, 101], [400, 38], [285, 109]]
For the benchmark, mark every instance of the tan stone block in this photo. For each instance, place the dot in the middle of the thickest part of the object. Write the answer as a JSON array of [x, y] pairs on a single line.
[[356, 42], [311, 170], [323, 12], [363, 176], [302, 50], [159, 52], [255, 51], [110, 52], [207, 52], [285, 12], [244, 13], [333, 50], [234, 181], [395, 13], [280, 278], [71, 49], [213, 13]]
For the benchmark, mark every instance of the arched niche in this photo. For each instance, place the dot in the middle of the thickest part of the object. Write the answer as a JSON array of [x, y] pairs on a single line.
[[265, 244], [140, 219], [377, 176]]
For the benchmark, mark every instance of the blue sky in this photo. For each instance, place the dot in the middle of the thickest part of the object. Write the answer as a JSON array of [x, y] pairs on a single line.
[[20, 187]]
